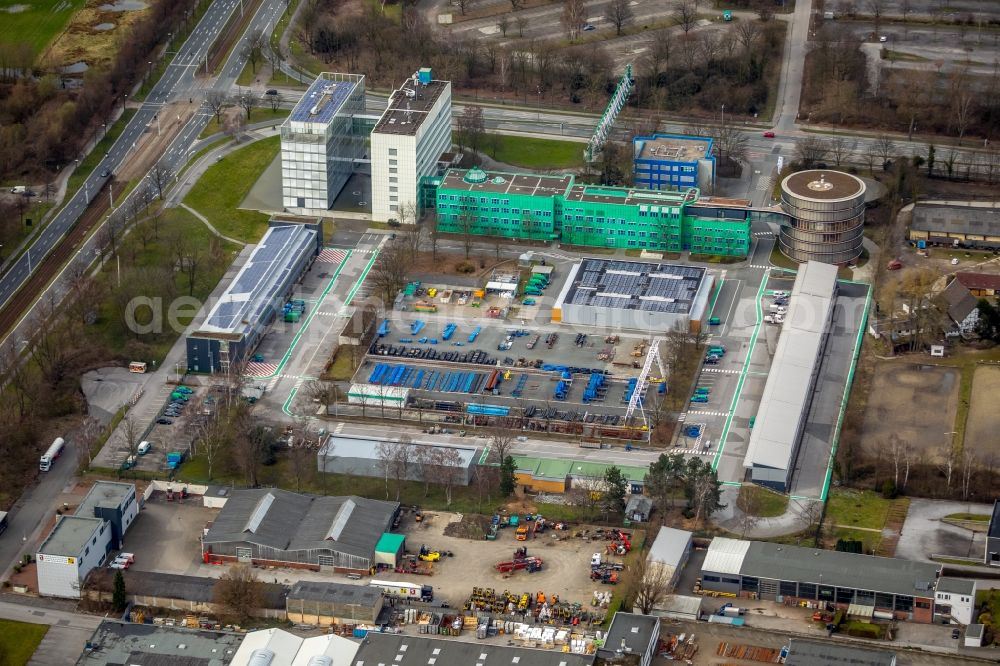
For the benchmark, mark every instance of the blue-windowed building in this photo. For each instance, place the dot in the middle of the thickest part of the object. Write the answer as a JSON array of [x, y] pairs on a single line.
[[673, 162], [236, 322]]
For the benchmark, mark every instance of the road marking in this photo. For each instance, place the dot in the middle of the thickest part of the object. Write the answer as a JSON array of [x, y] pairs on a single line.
[[724, 371], [704, 413]]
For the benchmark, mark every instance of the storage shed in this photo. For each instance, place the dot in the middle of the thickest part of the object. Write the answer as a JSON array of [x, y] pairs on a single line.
[[389, 549], [324, 604]]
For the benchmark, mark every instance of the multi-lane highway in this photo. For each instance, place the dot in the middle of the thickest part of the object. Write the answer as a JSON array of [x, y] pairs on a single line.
[[176, 83]]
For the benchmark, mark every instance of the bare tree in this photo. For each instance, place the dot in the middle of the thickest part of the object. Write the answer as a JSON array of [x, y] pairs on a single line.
[[275, 102], [731, 144], [463, 5], [839, 150], [968, 468], [253, 47], [389, 273], [886, 149], [216, 101], [522, 23], [573, 14], [686, 15], [213, 441], [248, 101], [503, 24], [649, 585], [159, 176], [132, 432], [238, 591], [516, 4], [619, 13], [749, 503], [471, 127], [876, 8], [946, 463], [810, 151], [450, 470], [501, 442], [963, 110], [302, 461], [395, 457], [466, 222]]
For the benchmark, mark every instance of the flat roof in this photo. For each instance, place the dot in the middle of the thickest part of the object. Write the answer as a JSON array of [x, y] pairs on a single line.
[[324, 98], [178, 586], [829, 653], [950, 585], [848, 570], [365, 448], [669, 546], [105, 494], [673, 147], [635, 631], [390, 543], [256, 285], [335, 593], [409, 106], [957, 218], [634, 285], [116, 643], [823, 185], [630, 196], [560, 468], [477, 180], [70, 535], [784, 402], [402, 650]]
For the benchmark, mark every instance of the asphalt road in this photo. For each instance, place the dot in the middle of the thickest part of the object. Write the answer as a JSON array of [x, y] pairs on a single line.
[[176, 82]]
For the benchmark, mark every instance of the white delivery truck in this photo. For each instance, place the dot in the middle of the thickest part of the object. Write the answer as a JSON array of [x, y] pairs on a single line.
[[50, 455]]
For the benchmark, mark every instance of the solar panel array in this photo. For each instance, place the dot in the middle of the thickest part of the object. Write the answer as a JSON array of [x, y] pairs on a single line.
[[259, 282], [631, 285], [327, 95]]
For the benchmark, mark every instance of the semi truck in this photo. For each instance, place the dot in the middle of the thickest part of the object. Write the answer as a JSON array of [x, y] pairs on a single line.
[[50, 455], [405, 590]]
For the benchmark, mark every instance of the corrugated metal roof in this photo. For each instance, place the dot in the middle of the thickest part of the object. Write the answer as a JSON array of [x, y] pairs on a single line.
[[390, 543], [725, 556], [669, 546]]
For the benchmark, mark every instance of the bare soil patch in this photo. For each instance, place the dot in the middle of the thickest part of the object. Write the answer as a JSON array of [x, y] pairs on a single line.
[[981, 426], [80, 42], [916, 402]]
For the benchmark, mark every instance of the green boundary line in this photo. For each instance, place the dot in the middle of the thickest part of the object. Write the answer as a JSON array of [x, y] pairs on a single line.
[[288, 402], [715, 296], [847, 394], [361, 279], [305, 324], [743, 375], [486, 454]]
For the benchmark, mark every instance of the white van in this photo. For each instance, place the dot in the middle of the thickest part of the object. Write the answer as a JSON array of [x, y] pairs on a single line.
[[19, 189]]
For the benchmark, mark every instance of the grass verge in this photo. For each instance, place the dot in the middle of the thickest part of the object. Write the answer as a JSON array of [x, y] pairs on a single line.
[[534, 153], [978, 517], [19, 640], [37, 24], [263, 115], [226, 183], [857, 508], [762, 502], [342, 368]]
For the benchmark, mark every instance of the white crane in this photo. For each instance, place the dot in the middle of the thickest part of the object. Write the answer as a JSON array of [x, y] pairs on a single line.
[[635, 402]]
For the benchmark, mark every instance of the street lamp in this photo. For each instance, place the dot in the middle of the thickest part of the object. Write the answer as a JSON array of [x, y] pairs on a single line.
[[723, 115]]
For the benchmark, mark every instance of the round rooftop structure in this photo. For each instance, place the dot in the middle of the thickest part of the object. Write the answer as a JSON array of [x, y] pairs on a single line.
[[826, 212]]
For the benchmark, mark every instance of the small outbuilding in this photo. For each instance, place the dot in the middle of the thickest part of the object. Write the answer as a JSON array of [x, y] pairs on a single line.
[[389, 549], [668, 555], [974, 635], [639, 508], [324, 604]]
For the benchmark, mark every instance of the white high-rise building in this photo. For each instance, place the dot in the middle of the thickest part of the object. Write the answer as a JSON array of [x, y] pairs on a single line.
[[407, 142], [319, 144]]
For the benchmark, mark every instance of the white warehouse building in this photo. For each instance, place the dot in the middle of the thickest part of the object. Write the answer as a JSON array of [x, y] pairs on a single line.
[[76, 545], [319, 143], [407, 143]]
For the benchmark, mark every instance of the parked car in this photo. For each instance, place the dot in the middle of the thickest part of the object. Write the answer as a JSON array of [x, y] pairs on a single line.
[[272, 91], [768, 134], [129, 462], [144, 447], [589, 27], [780, 294], [164, 421]]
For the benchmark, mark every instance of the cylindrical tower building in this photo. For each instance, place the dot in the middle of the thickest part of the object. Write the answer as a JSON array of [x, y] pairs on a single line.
[[827, 216]]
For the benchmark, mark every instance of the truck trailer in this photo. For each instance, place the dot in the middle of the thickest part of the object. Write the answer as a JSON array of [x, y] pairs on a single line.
[[405, 590], [50, 455]]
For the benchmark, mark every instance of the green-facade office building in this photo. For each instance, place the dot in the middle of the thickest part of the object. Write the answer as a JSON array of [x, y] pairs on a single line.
[[533, 206]]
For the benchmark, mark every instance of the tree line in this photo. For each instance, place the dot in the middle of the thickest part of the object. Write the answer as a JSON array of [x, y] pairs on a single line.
[[44, 124]]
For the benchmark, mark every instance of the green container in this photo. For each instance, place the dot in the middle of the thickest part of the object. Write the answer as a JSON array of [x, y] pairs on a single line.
[[292, 317]]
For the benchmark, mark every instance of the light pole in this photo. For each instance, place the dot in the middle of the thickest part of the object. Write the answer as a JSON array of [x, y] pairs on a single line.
[[104, 134], [723, 115]]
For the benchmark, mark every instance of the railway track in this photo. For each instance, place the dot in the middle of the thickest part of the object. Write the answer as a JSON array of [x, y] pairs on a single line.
[[52, 264]]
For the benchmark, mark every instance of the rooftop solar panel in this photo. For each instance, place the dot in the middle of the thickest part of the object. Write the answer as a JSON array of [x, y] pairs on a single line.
[[635, 285], [322, 100]]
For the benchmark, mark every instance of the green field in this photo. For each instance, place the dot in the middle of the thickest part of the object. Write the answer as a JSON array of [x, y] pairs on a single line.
[[37, 25], [765, 503], [534, 153], [226, 183], [18, 641], [854, 508]]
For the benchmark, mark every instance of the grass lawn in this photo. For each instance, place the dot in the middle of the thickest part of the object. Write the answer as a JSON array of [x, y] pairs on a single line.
[[18, 641], [534, 153], [855, 508], [226, 183], [464, 499], [342, 368], [38, 24], [259, 116], [110, 332], [765, 503], [978, 517]]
